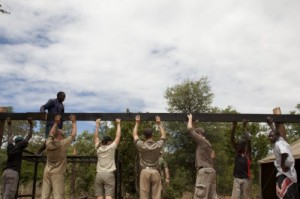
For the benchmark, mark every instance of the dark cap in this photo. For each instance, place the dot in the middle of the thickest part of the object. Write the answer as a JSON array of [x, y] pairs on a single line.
[[19, 139], [106, 139]]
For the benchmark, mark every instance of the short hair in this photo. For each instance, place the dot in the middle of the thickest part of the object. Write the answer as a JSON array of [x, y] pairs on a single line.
[[105, 140], [148, 133], [276, 132], [60, 93], [200, 130]]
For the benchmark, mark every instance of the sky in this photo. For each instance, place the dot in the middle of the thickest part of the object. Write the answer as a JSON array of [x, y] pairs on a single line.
[[110, 55]]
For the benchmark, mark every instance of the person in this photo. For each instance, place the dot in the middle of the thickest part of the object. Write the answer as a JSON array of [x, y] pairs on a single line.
[[286, 177], [10, 176], [55, 168], [164, 173], [105, 178], [241, 171], [149, 150], [54, 106], [205, 186]]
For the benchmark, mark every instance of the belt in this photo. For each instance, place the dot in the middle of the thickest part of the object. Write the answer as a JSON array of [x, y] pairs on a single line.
[[150, 168]]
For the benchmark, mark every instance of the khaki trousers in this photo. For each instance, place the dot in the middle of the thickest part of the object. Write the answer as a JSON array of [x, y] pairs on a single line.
[[241, 188], [10, 179], [150, 182], [54, 183], [206, 184]]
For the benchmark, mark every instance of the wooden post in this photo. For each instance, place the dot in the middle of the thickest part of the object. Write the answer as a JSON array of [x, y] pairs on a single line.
[[279, 125], [2, 124], [73, 176]]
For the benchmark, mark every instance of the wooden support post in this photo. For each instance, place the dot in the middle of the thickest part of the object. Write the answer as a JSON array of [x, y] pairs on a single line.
[[73, 176], [279, 125], [2, 124]]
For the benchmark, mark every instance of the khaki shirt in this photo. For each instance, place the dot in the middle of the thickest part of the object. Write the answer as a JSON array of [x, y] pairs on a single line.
[[57, 155], [149, 152], [203, 156], [106, 157]]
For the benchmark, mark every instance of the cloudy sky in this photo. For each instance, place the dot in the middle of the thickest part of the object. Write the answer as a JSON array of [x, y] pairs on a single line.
[[109, 55]]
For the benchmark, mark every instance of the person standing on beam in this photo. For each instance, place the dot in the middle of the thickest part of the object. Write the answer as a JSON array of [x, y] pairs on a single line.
[[286, 177], [105, 178], [56, 165], [241, 171], [54, 106], [11, 171], [205, 187], [150, 179]]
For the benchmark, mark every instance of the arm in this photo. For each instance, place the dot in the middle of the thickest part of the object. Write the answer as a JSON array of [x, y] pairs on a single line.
[[29, 135], [248, 149], [161, 129], [74, 126], [96, 137], [283, 159], [46, 106], [190, 122], [135, 129], [167, 173], [10, 136], [118, 133], [271, 123], [54, 126], [232, 137]]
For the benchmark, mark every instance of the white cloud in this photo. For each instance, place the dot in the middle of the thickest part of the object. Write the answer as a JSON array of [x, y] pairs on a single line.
[[113, 55]]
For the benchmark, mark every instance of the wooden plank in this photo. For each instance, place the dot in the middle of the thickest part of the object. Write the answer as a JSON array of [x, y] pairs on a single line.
[[201, 117]]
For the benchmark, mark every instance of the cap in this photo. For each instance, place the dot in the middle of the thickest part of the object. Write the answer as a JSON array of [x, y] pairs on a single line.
[[19, 139]]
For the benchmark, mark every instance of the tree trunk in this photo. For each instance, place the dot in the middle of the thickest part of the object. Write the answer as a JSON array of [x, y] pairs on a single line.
[[2, 124]]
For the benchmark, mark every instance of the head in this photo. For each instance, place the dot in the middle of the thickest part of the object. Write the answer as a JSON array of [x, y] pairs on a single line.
[[274, 136], [61, 96], [148, 133], [59, 134], [241, 145], [18, 139], [200, 131], [106, 140]]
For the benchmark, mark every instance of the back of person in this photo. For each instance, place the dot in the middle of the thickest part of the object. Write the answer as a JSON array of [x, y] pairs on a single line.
[[106, 157], [14, 155], [150, 153]]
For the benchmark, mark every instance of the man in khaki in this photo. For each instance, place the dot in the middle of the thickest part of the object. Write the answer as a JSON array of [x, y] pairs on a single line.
[[150, 179], [55, 169], [205, 186], [105, 179]]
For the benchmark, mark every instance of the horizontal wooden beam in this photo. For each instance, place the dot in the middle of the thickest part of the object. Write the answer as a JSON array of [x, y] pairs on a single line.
[[201, 117]]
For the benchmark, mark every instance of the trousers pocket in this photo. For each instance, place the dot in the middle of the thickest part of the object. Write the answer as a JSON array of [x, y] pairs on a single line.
[[200, 190]]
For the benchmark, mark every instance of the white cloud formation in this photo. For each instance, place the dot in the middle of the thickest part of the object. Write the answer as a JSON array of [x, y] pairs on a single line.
[[112, 55]]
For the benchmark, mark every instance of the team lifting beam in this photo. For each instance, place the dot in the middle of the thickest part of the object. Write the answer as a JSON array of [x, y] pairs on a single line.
[[201, 117]]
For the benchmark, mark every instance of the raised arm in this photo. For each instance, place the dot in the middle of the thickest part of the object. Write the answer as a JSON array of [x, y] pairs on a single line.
[[161, 129], [29, 135], [96, 137], [248, 149], [232, 135], [190, 122], [74, 126], [136, 127], [271, 123], [9, 132], [54, 126], [118, 133], [167, 173]]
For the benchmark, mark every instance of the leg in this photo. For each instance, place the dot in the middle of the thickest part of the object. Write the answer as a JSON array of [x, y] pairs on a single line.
[[46, 186], [11, 181], [156, 187], [236, 189], [213, 186], [99, 189], [144, 184], [247, 189], [58, 186], [109, 184]]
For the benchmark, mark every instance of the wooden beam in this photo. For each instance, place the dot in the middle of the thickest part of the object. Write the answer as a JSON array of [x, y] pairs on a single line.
[[201, 117]]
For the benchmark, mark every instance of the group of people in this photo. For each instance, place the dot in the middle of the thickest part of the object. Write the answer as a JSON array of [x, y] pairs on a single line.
[[150, 155]]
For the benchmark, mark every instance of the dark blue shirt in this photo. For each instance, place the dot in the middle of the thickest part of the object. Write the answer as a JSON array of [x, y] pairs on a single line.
[[55, 107]]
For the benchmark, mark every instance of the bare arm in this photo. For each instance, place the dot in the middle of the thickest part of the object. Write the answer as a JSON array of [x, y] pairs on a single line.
[[29, 135], [271, 123], [74, 126], [167, 174], [118, 133], [9, 133], [248, 149], [54, 126], [96, 137], [232, 135], [190, 122], [283, 159], [136, 126], [161, 129]]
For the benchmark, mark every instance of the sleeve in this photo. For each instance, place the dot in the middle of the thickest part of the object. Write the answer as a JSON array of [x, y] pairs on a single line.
[[49, 104], [196, 136], [282, 148], [139, 143], [97, 145]]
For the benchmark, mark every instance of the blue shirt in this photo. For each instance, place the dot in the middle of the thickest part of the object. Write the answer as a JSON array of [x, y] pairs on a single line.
[[55, 107]]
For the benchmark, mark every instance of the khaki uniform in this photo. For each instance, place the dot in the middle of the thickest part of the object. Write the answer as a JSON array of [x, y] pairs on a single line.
[[205, 187], [55, 169], [150, 179]]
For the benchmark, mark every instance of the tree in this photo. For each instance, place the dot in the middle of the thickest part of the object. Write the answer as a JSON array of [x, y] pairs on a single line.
[[3, 11]]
